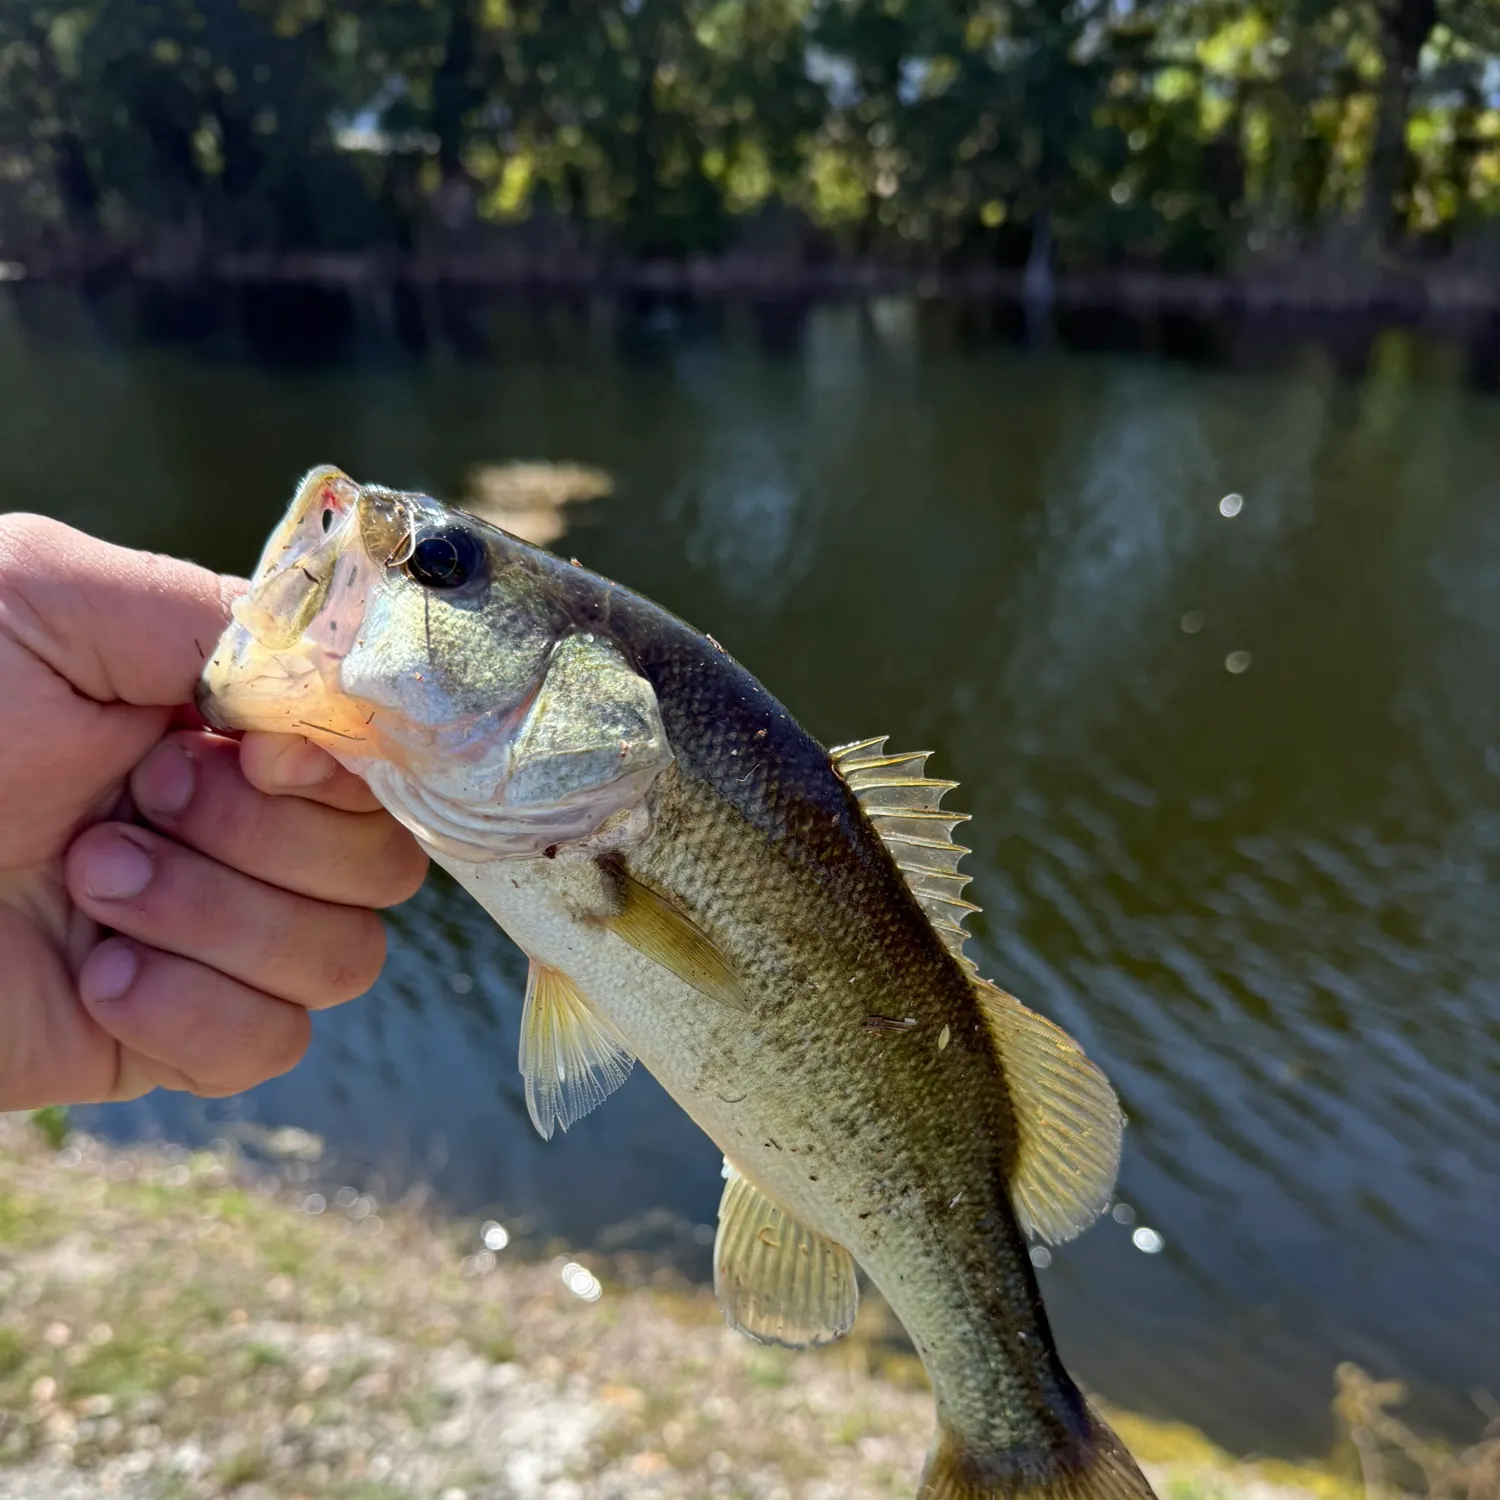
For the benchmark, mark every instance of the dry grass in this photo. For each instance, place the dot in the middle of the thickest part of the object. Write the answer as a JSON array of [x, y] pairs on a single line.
[[1388, 1460]]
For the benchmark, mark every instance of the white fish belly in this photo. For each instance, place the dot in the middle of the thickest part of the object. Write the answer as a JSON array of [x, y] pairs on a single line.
[[713, 1059]]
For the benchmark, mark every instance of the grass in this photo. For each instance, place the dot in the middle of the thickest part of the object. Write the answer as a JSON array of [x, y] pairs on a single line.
[[167, 1317], [244, 1467]]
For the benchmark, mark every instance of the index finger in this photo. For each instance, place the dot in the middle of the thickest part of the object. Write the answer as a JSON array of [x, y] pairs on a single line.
[[121, 626]]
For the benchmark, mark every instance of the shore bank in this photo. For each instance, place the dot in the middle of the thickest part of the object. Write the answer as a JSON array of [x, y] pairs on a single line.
[[1331, 285], [177, 1326]]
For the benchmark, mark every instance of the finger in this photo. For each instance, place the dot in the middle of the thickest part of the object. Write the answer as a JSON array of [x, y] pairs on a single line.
[[120, 625], [294, 947], [280, 764], [182, 1025], [51, 1052], [191, 786]]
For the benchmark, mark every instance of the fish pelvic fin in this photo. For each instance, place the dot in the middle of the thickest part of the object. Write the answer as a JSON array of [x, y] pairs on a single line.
[[1099, 1468], [571, 1058], [777, 1279], [1068, 1120]]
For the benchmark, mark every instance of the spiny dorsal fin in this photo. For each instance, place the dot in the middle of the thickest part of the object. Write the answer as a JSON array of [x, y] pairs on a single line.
[[904, 807], [776, 1278], [1068, 1121], [572, 1059], [1067, 1117]]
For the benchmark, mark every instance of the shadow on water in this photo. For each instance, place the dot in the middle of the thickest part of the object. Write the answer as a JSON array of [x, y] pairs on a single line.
[[1234, 769]]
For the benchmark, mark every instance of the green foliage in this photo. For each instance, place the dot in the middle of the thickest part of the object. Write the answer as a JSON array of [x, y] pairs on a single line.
[[1183, 134], [53, 1124]]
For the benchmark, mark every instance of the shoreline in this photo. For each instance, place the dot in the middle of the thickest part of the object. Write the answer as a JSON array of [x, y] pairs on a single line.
[[180, 1326], [1316, 287]]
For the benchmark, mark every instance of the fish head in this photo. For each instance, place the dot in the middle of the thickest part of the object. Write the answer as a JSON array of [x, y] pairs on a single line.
[[442, 660]]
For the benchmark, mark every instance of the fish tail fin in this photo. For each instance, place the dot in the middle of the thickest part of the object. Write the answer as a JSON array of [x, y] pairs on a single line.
[[1097, 1468]]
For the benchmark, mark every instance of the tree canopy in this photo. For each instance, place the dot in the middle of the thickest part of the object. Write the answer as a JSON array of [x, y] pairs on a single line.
[[1177, 134]]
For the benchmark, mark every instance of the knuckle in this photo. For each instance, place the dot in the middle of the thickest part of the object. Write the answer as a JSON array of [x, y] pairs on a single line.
[[267, 1038], [354, 962], [23, 536], [200, 1043], [191, 899], [29, 546], [286, 1044], [231, 814], [204, 1089], [402, 866]]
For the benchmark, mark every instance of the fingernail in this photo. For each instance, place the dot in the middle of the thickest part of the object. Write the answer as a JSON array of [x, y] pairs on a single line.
[[116, 869], [301, 765], [164, 781], [107, 972]]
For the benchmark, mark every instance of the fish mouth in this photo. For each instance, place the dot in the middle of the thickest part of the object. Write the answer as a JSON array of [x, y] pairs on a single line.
[[276, 666], [205, 700], [247, 686]]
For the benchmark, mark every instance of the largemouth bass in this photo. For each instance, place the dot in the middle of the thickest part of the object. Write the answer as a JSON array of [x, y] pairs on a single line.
[[772, 928]]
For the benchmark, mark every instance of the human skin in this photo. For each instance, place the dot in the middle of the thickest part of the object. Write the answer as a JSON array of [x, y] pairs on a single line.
[[173, 903]]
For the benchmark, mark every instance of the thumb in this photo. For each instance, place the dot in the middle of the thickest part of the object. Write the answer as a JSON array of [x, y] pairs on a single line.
[[121, 626]]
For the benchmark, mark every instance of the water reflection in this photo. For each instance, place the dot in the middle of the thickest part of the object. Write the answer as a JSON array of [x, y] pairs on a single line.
[[1264, 898]]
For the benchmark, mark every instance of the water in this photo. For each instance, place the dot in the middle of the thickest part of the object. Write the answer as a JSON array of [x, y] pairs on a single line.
[[1235, 777]]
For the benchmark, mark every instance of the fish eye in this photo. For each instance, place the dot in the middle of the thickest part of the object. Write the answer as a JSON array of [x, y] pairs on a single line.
[[445, 559]]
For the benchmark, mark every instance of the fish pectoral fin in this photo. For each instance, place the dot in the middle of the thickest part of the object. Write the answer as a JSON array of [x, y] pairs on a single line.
[[1068, 1121], [776, 1278], [571, 1057], [652, 925]]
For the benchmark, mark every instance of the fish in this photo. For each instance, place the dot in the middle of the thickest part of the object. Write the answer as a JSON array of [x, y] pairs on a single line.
[[773, 928]]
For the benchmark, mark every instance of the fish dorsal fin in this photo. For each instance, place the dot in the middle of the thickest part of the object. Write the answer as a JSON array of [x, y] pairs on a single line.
[[776, 1278], [572, 1059], [904, 807], [1068, 1121]]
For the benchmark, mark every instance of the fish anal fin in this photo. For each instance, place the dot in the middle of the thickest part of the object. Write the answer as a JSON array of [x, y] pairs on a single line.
[[905, 809], [572, 1059], [1095, 1466], [657, 928], [1068, 1121], [776, 1278]]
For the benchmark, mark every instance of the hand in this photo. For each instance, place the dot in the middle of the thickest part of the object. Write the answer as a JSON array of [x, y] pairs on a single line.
[[237, 879]]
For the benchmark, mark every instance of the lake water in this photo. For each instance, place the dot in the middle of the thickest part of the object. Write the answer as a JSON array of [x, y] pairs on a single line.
[[1265, 899]]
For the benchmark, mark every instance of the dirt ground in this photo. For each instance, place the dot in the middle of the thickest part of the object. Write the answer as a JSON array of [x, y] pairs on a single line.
[[176, 1328]]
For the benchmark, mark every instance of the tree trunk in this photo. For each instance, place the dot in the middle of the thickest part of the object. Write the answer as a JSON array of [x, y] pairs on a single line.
[[643, 197], [77, 191], [454, 95], [1405, 26], [1039, 285]]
